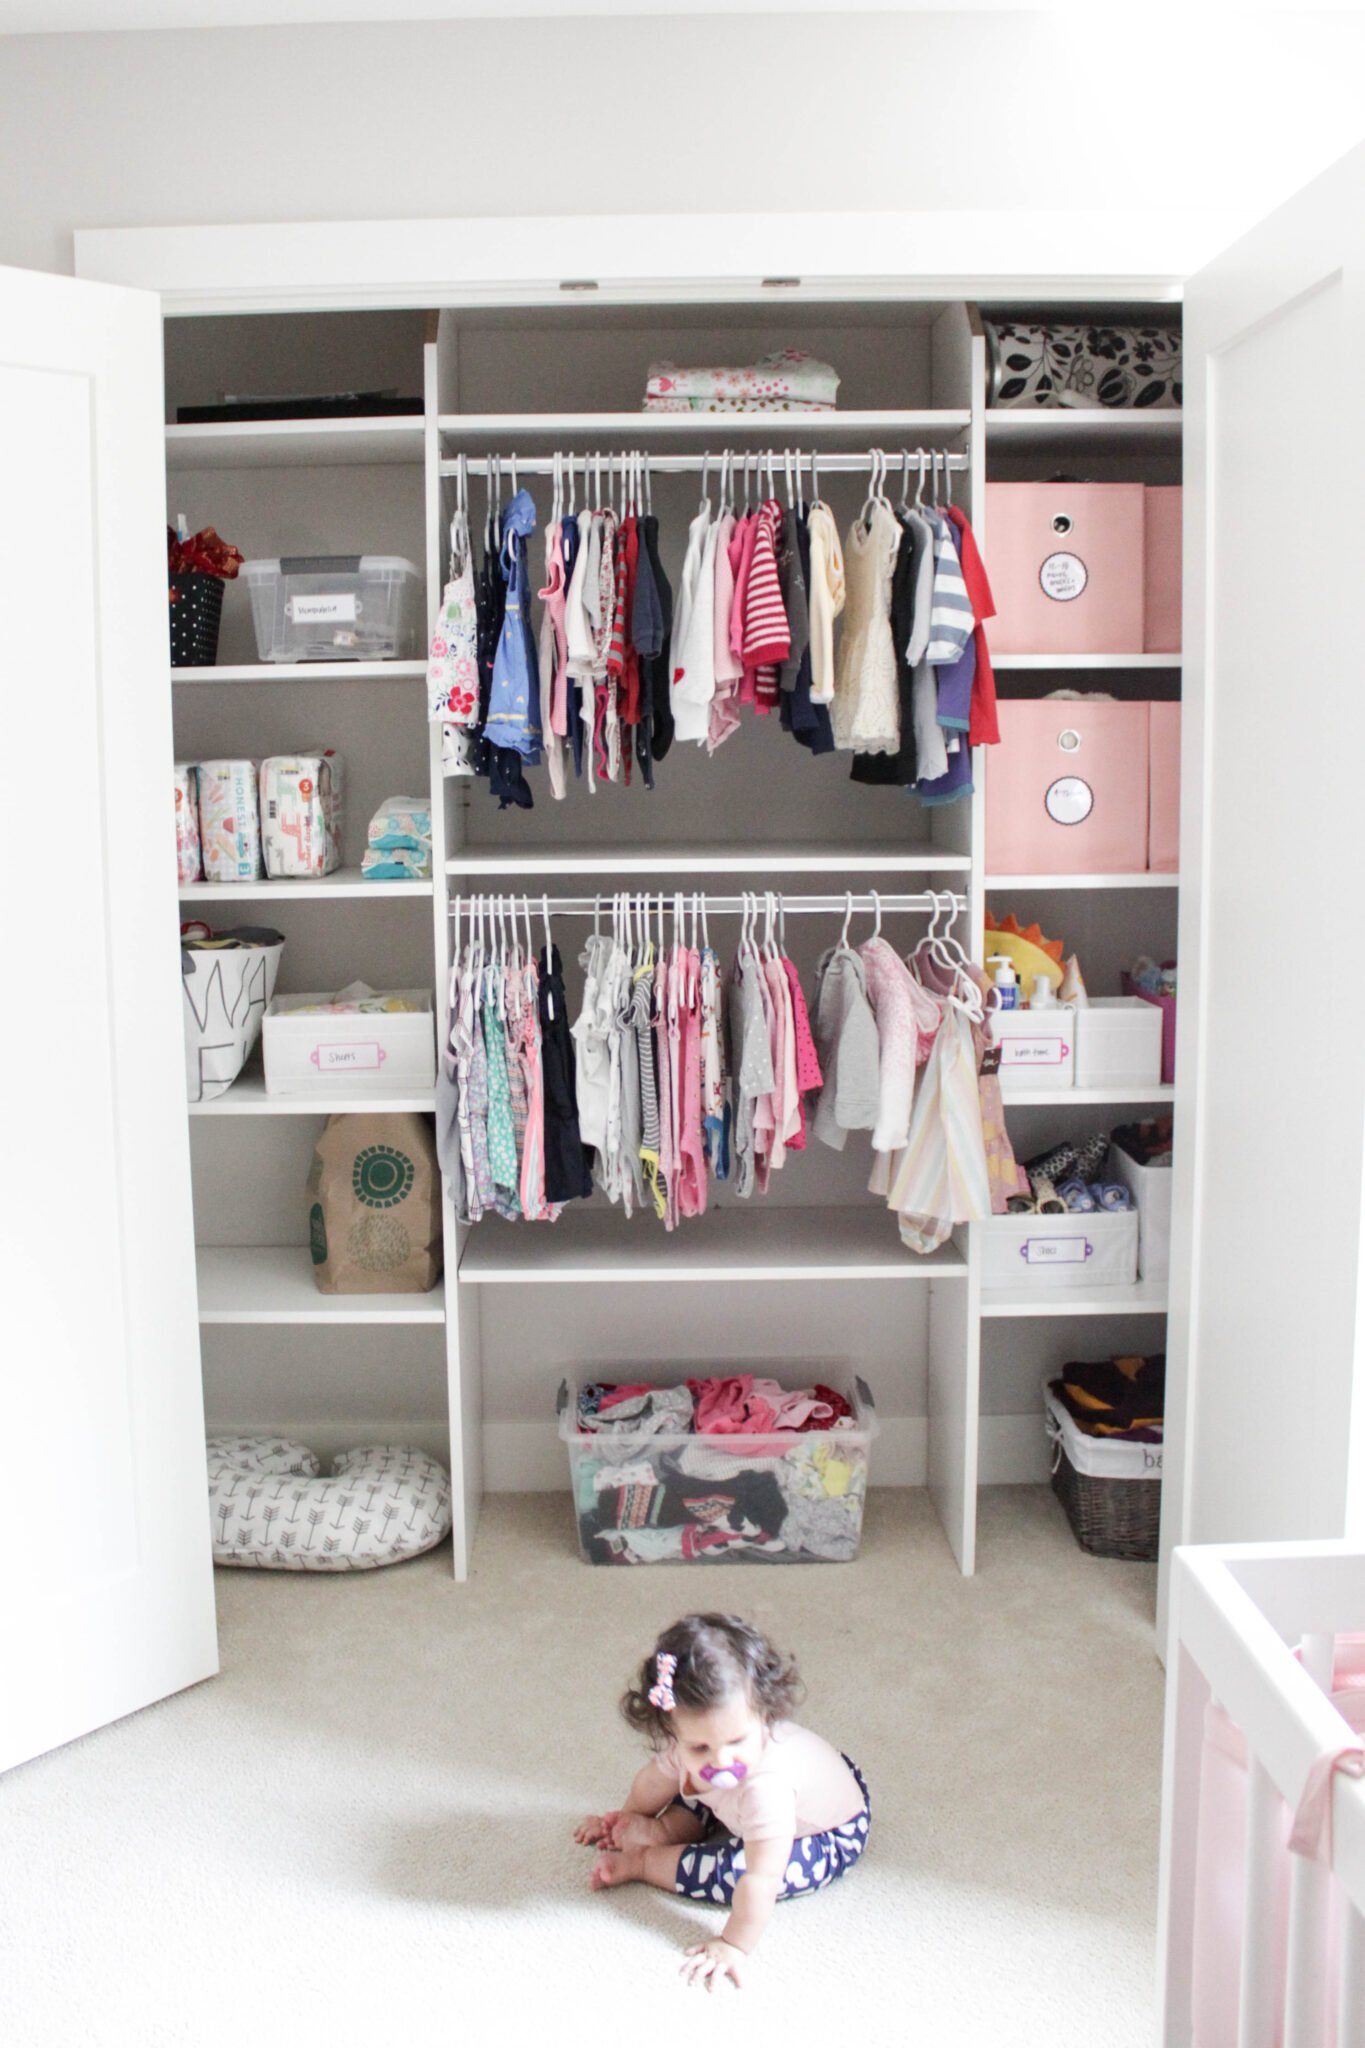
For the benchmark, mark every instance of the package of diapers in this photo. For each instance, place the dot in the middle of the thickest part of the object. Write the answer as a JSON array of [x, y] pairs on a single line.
[[188, 857], [229, 821], [300, 824], [332, 796]]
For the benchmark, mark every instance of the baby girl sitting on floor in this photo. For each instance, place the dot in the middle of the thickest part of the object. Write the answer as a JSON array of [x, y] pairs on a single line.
[[738, 1806]]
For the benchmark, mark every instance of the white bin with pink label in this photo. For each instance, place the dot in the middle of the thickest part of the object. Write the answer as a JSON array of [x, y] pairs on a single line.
[[361, 1041]]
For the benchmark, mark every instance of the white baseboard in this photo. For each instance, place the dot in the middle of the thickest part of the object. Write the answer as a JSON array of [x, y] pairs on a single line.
[[528, 1457]]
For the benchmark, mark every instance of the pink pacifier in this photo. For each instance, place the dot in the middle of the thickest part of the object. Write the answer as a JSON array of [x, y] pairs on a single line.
[[734, 1774]]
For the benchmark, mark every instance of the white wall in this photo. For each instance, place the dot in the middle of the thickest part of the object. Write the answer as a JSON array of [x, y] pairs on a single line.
[[923, 111]]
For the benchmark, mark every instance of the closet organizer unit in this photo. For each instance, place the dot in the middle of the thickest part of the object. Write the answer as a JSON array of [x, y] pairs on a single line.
[[812, 1274]]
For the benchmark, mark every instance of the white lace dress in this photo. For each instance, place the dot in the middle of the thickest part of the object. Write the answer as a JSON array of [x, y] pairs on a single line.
[[866, 710]]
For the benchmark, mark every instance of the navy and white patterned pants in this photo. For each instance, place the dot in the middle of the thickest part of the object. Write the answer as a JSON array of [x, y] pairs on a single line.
[[710, 1870]]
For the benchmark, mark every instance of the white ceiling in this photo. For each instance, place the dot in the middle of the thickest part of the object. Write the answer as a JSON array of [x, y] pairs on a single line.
[[48, 17]]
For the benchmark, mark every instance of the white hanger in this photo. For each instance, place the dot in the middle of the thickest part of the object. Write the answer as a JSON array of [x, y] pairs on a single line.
[[919, 494], [848, 917], [877, 908]]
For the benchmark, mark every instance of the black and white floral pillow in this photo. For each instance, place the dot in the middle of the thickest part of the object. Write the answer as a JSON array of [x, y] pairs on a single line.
[[1095, 368]]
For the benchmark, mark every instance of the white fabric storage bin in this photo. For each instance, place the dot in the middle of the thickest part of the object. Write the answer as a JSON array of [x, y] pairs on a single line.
[[334, 607], [1118, 1043], [1150, 1187], [1098, 1457], [1037, 1047], [1096, 1250], [370, 1053]]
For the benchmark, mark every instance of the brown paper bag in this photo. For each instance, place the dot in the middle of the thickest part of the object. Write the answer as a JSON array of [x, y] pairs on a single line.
[[375, 1205]]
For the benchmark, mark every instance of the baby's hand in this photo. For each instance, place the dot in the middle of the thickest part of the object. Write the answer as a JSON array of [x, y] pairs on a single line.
[[711, 1961]]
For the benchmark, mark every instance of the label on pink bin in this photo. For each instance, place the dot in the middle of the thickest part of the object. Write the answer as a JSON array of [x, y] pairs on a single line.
[[355, 1056], [1055, 1251]]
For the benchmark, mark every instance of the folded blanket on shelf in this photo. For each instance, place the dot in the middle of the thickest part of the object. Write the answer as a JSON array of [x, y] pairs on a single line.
[[785, 373], [797, 405]]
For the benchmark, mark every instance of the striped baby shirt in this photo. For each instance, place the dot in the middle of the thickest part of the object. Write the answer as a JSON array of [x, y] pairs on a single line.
[[950, 618]]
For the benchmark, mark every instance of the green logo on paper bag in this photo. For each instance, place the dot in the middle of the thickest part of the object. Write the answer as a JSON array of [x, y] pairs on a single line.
[[317, 1235], [381, 1177]]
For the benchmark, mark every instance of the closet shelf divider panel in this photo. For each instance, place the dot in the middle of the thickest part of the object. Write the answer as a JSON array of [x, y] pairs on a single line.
[[707, 427], [1144, 1297], [474, 862], [274, 1284], [1084, 662], [247, 1097], [730, 1244], [304, 672], [1135, 881], [295, 444], [342, 882]]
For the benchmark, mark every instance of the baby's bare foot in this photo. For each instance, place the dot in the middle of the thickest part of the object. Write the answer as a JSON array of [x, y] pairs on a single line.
[[638, 1831], [617, 1867]]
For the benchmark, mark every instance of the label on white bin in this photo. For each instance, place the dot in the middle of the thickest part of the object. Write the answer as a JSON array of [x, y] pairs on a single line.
[[360, 1056], [1033, 1052], [1055, 1251], [334, 608]]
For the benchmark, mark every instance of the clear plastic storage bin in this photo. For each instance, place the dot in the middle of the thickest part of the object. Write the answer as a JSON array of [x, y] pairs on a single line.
[[335, 608], [792, 1498]]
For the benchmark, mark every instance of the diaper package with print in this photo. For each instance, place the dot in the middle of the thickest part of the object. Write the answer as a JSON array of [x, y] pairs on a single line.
[[188, 856], [301, 814], [229, 821]]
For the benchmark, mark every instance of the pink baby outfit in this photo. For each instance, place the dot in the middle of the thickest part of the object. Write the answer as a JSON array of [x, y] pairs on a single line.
[[808, 1074], [800, 1785], [744, 1406]]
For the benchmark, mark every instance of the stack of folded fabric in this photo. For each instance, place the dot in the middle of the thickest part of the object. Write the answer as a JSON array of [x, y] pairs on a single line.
[[1068, 1178], [762, 1474], [399, 847], [788, 380], [1123, 1398]]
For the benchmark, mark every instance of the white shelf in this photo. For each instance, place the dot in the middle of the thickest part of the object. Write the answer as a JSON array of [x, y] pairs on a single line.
[[1054, 1098], [591, 1246], [274, 1284], [477, 861], [1140, 881], [1145, 1297], [711, 427], [302, 444], [1061, 427], [1083, 662], [343, 882], [247, 1097], [303, 672]]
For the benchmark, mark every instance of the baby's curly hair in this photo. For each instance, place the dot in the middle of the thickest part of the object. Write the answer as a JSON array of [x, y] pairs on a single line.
[[718, 1656]]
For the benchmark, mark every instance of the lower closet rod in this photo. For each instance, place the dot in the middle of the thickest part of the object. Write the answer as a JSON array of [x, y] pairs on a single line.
[[723, 906], [675, 465]]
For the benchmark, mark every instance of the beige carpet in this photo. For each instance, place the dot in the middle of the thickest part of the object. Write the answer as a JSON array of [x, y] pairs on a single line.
[[360, 1831]]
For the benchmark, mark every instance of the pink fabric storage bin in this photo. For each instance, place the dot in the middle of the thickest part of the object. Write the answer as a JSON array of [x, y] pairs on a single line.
[[1066, 567], [1161, 574], [1220, 1864], [1163, 810], [1067, 789]]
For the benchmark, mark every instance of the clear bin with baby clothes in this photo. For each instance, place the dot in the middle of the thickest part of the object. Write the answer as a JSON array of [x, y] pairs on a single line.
[[651, 1489], [335, 607]]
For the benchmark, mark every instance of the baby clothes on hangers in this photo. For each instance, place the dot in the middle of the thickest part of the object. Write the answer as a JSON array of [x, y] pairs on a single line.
[[866, 712], [727, 671], [908, 1019], [715, 1103], [767, 635], [567, 1174], [753, 1079], [848, 1048], [808, 1075], [693, 654], [942, 1177], [828, 591], [985, 729]]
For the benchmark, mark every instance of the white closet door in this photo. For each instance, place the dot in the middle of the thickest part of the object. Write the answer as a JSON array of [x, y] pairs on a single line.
[[1266, 1440], [106, 1582]]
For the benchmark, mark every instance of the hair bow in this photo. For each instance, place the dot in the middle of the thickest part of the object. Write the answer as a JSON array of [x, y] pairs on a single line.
[[661, 1695]]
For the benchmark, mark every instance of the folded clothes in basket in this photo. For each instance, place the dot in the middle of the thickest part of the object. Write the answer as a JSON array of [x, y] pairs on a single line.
[[1148, 1142], [635, 1410], [1116, 1397]]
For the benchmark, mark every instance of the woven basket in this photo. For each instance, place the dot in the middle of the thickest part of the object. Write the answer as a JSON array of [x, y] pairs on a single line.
[[1110, 1517]]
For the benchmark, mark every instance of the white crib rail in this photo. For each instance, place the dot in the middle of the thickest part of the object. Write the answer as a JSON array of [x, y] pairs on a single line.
[[1236, 1614]]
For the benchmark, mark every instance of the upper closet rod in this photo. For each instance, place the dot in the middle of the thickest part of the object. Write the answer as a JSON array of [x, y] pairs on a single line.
[[679, 465], [723, 906]]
